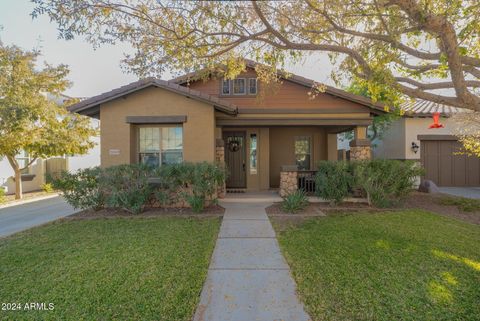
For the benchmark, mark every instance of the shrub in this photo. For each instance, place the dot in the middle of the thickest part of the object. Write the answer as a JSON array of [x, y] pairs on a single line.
[[465, 204], [129, 186], [3, 199], [386, 182], [295, 202], [196, 202], [126, 186], [81, 189], [47, 187], [191, 182], [334, 181]]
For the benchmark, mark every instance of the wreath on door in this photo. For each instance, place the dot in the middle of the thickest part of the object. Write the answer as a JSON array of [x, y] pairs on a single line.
[[234, 145]]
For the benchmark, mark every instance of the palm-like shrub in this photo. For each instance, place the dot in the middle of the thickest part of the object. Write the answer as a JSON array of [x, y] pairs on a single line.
[[295, 202], [386, 182]]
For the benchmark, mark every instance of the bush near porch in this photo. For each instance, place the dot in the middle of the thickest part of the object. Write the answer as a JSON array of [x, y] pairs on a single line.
[[385, 183], [133, 187]]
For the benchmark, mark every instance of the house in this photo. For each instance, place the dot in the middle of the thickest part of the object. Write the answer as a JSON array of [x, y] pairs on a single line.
[[260, 130], [436, 148], [35, 175]]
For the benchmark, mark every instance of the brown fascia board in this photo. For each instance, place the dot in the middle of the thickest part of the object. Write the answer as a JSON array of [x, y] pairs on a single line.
[[378, 108], [85, 105]]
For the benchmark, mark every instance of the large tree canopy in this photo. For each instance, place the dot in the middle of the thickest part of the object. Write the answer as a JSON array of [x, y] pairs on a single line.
[[428, 49], [29, 121]]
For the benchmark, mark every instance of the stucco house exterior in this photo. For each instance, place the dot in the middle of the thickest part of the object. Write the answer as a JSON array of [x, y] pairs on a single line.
[[261, 131], [436, 148]]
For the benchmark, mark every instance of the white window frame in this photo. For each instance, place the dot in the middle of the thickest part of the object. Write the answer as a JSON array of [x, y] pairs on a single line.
[[249, 86], [309, 138], [160, 152], [229, 87], [244, 86]]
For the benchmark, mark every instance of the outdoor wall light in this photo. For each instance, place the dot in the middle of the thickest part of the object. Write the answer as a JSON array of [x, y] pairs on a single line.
[[415, 147]]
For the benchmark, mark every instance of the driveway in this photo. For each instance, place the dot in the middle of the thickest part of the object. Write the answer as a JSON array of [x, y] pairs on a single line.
[[21, 217], [468, 192]]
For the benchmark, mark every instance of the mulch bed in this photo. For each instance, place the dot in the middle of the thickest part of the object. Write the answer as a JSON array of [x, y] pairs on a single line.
[[417, 200], [211, 211], [431, 203]]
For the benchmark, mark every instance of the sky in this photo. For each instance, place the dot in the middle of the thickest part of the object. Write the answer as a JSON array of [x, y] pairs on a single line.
[[94, 71]]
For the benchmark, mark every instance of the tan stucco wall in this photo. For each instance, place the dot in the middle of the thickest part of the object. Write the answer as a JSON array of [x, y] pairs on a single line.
[[282, 150], [419, 126], [116, 134], [397, 140]]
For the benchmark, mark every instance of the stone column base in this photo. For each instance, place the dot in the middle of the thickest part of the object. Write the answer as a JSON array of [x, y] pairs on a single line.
[[360, 149], [288, 180]]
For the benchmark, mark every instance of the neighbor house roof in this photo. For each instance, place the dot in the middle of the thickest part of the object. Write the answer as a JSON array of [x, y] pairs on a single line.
[[298, 80], [91, 105], [424, 108]]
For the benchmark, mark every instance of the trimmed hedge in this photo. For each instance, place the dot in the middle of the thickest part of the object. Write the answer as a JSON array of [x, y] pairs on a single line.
[[130, 187], [385, 182]]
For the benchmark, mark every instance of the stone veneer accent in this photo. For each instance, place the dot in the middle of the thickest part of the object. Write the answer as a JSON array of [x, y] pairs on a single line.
[[220, 158], [360, 149], [288, 180]]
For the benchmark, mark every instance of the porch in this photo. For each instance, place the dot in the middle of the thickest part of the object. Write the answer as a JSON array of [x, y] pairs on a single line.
[[283, 158]]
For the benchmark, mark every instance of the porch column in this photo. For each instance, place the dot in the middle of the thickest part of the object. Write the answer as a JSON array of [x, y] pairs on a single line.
[[220, 158], [360, 145], [288, 180]]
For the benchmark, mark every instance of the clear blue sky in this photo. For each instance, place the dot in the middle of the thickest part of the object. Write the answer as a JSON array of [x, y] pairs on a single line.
[[93, 71]]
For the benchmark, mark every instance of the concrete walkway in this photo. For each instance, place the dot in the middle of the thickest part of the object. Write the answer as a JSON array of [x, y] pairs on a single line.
[[21, 217], [248, 278], [468, 192]]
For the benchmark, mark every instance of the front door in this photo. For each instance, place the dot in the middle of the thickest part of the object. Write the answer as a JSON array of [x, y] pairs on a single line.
[[235, 159]]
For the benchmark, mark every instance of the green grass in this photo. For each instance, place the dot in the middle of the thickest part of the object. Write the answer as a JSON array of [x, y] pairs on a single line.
[[115, 269], [464, 204], [409, 265]]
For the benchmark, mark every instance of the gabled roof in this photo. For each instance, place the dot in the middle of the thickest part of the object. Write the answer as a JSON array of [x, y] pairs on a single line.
[[424, 108], [91, 105], [309, 83]]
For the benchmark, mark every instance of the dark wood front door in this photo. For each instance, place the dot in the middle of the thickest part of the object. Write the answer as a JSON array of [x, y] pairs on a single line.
[[235, 159]]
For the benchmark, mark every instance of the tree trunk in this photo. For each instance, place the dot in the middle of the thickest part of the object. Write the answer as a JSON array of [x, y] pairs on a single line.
[[18, 176], [18, 184]]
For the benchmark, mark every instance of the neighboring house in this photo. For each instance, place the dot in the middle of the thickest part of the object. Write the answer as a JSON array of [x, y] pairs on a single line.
[[256, 128], [35, 175], [438, 150]]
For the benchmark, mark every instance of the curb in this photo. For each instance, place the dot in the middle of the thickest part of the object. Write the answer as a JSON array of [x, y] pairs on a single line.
[[31, 200]]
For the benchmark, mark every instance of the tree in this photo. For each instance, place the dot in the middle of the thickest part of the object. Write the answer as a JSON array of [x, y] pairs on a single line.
[[466, 126], [418, 48], [28, 120], [381, 122]]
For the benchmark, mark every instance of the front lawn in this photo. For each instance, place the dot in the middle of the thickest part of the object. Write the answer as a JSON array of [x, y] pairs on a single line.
[[410, 265], [108, 269]]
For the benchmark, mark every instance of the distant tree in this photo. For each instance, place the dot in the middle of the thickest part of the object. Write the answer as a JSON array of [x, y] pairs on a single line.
[[29, 121], [397, 46], [381, 122], [466, 126]]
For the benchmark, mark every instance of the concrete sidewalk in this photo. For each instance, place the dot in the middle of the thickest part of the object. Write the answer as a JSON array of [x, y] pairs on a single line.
[[248, 278]]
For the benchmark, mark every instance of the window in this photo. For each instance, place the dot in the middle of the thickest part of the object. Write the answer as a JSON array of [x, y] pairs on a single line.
[[302, 152], [226, 87], [253, 153], [239, 86], [252, 86], [23, 159], [160, 145]]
